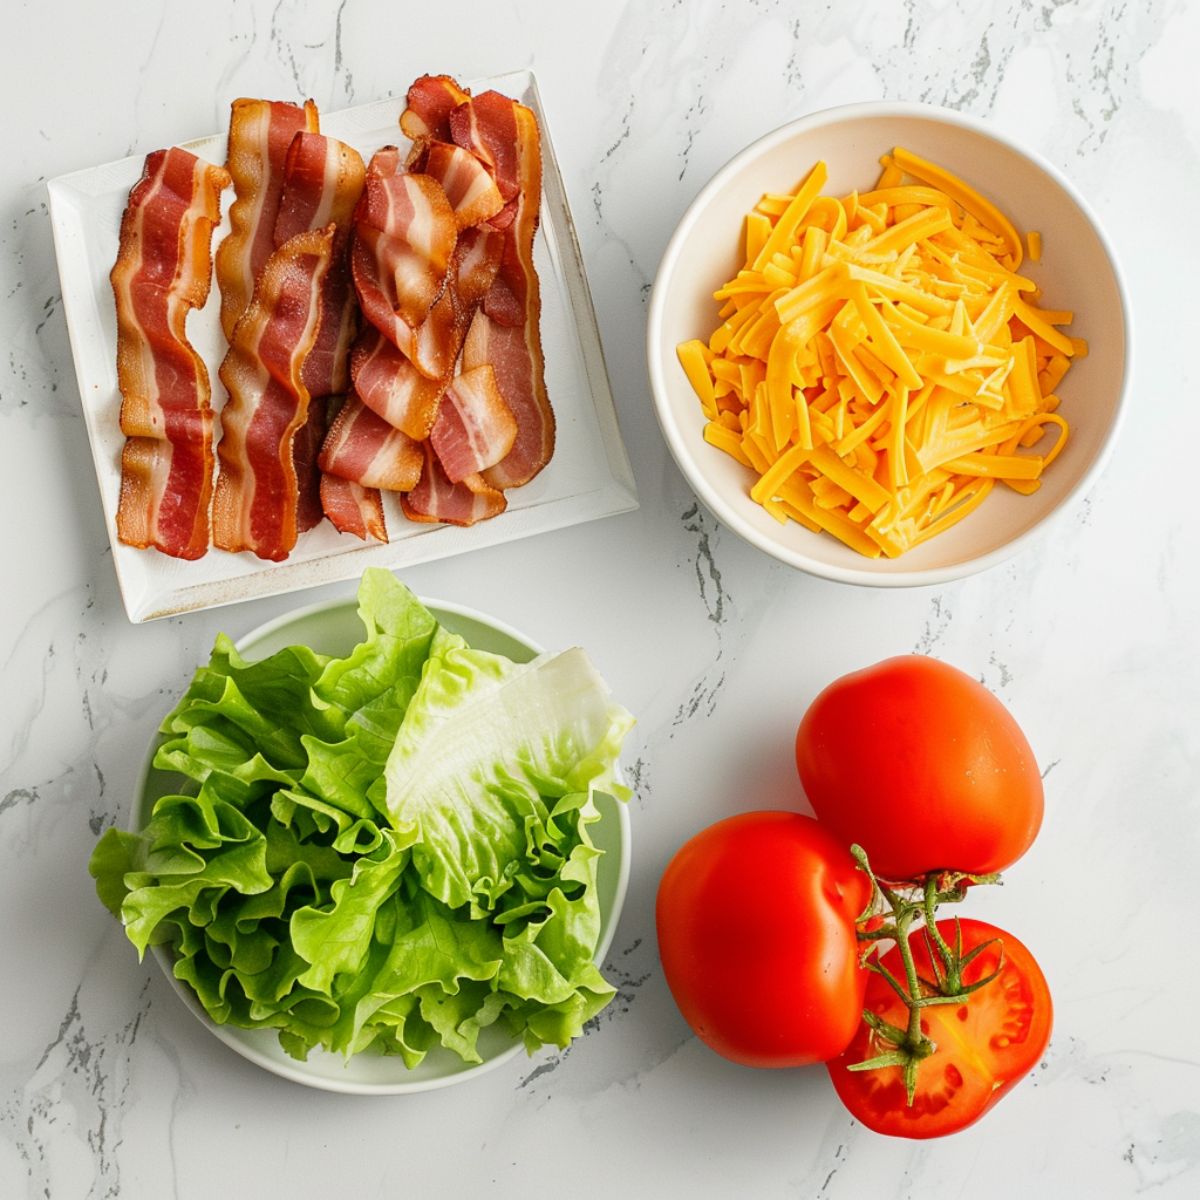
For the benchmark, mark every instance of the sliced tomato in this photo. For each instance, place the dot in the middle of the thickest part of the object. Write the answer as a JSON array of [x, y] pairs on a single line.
[[984, 1045]]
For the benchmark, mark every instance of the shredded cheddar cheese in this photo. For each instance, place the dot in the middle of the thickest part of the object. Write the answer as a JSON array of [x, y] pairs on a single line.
[[880, 364]]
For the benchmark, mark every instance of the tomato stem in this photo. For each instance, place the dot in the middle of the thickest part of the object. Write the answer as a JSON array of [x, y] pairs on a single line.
[[951, 980], [889, 915]]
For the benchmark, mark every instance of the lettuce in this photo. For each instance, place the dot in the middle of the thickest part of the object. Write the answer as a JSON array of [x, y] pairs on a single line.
[[387, 851]]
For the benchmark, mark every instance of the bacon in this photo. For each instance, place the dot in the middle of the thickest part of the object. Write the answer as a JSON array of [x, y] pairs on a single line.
[[436, 498], [323, 180], [322, 183], [386, 162], [365, 448], [327, 368], [489, 126], [435, 239], [353, 508], [515, 356], [256, 500], [439, 339], [163, 271], [475, 429], [396, 287], [479, 256], [518, 275], [502, 304], [515, 292], [468, 184], [433, 345], [386, 380], [260, 132], [431, 99], [306, 446], [405, 233], [506, 333], [389, 385], [506, 216]]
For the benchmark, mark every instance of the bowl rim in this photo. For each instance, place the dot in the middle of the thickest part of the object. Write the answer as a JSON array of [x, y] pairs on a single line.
[[688, 465], [296, 1072]]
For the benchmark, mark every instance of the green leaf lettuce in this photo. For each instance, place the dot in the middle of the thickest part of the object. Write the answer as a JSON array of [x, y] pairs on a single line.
[[385, 851]]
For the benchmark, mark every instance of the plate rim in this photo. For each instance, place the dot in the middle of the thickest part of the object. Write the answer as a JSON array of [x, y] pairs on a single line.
[[295, 1072]]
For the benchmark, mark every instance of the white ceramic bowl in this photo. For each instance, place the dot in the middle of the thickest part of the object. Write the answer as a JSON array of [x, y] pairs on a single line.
[[1078, 271], [333, 627]]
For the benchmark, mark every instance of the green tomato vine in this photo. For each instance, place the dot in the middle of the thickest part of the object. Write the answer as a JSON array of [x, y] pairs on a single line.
[[890, 915]]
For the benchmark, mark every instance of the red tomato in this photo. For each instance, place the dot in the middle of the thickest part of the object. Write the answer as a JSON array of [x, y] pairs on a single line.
[[985, 1045], [921, 766], [756, 934]]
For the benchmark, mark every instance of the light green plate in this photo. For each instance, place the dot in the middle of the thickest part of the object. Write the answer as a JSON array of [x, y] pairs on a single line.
[[334, 628]]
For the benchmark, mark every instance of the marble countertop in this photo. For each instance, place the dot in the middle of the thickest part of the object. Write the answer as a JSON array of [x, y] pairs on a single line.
[[108, 1087]]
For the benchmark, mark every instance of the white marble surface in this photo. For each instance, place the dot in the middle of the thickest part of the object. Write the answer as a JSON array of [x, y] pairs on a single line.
[[108, 1087]]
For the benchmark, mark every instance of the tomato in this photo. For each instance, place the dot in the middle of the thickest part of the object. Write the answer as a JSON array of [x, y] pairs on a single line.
[[985, 1045], [755, 921], [923, 767]]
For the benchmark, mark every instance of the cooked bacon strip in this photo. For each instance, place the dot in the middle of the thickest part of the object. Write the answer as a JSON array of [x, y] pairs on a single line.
[[478, 259], [396, 287], [388, 384], [506, 216], [433, 345], [437, 342], [431, 99], [163, 271], [502, 303], [386, 380], [516, 358], [260, 132], [490, 126], [365, 448], [506, 333], [436, 499], [327, 368], [353, 508], [468, 184], [440, 335], [516, 290], [405, 233], [322, 182], [386, 162], [255, 505], [374, 301], [475, 429], [306, 446]]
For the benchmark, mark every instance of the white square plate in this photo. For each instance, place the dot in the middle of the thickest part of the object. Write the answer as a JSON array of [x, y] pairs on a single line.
[[588, 477]]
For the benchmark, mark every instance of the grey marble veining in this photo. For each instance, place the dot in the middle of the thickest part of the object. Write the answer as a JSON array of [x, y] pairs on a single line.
[[108, 1087]]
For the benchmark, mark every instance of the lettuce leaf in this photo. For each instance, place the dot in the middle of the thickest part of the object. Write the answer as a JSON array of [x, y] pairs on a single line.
[[387, 851], [483, 745]]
